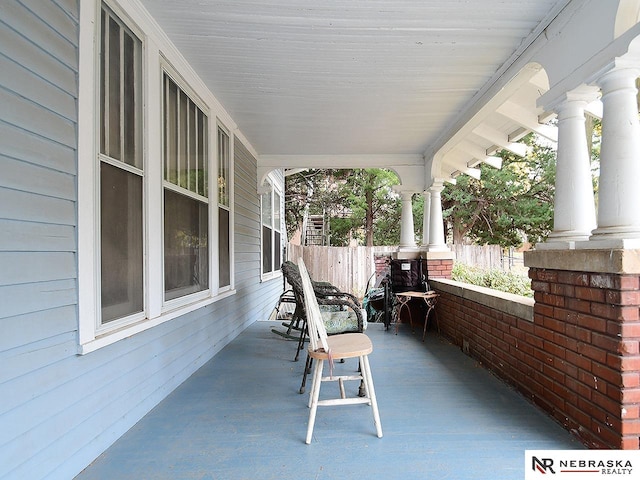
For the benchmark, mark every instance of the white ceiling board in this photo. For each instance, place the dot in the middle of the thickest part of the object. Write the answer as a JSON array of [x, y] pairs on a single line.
[[310, 77]]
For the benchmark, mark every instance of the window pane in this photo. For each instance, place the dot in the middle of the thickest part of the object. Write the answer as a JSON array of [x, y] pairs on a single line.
[[223, 168], [171, 132], [267, 216], [276, 211], [192, 160], [113, 147], [182, 140], [120, 91], [185, 140], [186, 257], [103, 93], [202, 155], [224, 248], [121, 241], [132, 115], [277, 251], [267, 264]]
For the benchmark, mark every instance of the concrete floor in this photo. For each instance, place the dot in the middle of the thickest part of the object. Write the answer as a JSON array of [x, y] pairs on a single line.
[[240, 417]]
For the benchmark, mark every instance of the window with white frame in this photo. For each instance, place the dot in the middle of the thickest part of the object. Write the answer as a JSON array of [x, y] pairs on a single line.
[[224, 209], [271, 205], [146, 142], [186, 200], [121, 170]]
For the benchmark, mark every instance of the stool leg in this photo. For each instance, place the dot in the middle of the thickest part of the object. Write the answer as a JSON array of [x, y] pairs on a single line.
[[313, 399], [366, 370]]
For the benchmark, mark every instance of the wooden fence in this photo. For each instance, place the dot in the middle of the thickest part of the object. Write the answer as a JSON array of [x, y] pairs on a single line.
[[349, 268], [488, 256]]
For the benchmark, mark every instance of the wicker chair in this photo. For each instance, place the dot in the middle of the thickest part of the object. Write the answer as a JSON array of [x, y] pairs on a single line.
[[341, 312]]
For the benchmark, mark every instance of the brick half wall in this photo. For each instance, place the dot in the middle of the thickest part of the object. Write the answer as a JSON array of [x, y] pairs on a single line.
[[572, 352]]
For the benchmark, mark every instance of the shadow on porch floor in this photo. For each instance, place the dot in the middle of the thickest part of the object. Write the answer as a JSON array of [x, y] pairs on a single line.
[[240, 417]]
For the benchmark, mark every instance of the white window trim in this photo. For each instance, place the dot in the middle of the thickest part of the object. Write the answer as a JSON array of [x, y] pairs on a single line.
[[271, 184], [176, 303], [214, 176], [156, 47]]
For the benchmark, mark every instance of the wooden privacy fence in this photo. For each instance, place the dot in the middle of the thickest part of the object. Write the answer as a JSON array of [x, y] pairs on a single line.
[[487, 256], [348, 268]]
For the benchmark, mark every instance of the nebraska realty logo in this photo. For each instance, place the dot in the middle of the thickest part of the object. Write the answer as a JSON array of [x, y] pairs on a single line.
[[579, 464]]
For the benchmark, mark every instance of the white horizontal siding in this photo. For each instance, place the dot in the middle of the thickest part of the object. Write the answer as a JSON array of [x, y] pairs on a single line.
[[21, 205], [20, 236], [24, 83], [60, 16], [18, 143], [32, 117], [32, 178], [60, 410], [259, 298], [37, 297], [21, 330]]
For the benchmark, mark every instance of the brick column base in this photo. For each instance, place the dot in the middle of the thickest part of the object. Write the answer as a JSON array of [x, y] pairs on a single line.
[[440, 268], [587, 325]]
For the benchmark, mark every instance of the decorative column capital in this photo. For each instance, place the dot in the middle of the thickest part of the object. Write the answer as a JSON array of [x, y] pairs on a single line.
[[437, 185], [622, 74], [573, 100]]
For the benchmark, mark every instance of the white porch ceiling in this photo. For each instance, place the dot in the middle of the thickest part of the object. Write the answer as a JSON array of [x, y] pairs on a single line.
[[358, 77]]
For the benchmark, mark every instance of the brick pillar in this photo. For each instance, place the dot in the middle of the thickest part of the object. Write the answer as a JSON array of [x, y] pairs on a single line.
[[587, 321], [439, 264], [440, 268]]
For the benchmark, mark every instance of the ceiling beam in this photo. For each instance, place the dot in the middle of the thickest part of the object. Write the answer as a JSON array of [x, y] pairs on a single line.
[[500, 139], [410, 168], [528, 119]]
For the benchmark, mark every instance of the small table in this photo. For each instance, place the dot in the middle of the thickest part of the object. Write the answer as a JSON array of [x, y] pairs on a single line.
[[429, 299]]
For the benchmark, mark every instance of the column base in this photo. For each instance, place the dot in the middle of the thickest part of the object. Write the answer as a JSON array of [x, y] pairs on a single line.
[[597, 242], [556, 245], [438, 248], [614, 237], [565, 239], [408, 252]]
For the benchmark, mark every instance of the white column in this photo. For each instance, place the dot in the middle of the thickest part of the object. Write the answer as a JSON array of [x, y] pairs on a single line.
[[574, 205], [436, 227], [426, 215], [407, 235], [619, 187]]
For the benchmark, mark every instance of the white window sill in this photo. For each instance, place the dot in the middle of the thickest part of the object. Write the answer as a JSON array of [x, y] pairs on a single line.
[[111, 337]]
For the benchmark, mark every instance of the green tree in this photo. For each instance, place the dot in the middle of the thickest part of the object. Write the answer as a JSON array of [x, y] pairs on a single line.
[[360, 204], [506, 206]]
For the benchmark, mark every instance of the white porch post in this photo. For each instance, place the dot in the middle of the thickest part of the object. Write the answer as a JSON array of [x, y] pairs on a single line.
[[619, 189], [574, 205], [436, 228], [407, 235], [426, 215]]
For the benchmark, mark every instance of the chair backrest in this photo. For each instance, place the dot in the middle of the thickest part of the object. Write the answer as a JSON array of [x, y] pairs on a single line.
[[292, 275], [315, 325]]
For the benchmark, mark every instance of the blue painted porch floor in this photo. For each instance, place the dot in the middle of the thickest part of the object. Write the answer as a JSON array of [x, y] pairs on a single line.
[[240, 417]]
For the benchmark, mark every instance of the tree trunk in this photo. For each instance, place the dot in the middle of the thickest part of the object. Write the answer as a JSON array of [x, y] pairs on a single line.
[[368, 226]]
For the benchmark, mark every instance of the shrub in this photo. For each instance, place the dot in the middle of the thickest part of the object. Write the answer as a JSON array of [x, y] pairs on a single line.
[[493, 278]]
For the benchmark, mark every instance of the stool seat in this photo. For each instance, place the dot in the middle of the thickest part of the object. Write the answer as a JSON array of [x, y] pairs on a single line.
[[346, 345]]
